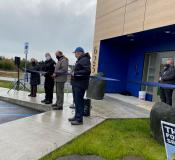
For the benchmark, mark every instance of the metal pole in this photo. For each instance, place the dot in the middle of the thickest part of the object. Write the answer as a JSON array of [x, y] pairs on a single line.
[[18, 81], [25, 78], [25, 52]]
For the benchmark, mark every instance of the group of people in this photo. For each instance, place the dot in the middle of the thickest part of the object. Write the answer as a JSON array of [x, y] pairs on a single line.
[[56, 75]]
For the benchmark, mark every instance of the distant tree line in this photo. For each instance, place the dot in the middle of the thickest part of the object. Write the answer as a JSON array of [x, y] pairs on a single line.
[[8, 64]]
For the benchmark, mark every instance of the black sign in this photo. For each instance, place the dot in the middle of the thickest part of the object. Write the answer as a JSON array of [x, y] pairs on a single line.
[[169, 133]]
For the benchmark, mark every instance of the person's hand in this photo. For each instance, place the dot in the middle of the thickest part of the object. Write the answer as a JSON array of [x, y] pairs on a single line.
[[54, 75], [72, 74], [43, 74]]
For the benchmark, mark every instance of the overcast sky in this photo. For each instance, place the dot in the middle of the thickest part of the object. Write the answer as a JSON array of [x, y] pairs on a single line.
[[48, 25]]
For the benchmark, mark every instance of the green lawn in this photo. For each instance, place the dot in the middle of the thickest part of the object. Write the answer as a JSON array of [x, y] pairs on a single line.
[[115, 139], [6, 84]]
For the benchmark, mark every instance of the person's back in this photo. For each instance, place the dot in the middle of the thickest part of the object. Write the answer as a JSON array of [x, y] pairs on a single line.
[[35, 77]]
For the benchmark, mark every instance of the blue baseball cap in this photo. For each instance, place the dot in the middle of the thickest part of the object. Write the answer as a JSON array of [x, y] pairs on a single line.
[[79, 49]]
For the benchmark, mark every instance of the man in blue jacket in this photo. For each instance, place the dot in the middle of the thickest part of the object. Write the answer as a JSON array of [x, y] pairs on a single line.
[[80, 83]]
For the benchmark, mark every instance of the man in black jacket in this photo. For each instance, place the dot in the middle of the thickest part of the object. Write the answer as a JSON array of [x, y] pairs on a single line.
[[49, 67], [80, 82], [167, 76]]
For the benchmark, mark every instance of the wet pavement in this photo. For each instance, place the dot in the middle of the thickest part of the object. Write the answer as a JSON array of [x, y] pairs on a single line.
[[10, 112], [35, 136]]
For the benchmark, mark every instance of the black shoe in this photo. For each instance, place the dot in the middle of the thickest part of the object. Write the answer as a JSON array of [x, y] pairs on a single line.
[[72, 106], [30, 95], [76, 122], [48, 102], [71, 119], [33, 95], [54, 105], [43, 101], [57, 108]]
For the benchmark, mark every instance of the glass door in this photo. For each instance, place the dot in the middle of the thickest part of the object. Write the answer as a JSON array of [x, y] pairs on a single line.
[[153, 64], [163, 57]]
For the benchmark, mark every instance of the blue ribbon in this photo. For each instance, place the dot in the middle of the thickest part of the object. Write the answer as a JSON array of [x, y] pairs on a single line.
[[151, 84], [18, 115], [95, 77], [155, 84], [104, 78]]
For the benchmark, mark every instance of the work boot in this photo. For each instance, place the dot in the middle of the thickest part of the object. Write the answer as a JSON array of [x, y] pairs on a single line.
[[57, 108], [48, 102]]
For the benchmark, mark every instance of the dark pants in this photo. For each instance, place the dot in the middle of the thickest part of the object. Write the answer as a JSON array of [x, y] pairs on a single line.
[[78, 96], [33, 90], [166, 95], [49, 86]]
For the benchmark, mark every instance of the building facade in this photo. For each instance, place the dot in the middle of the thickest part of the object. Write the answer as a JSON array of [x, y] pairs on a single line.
[[133, 39]]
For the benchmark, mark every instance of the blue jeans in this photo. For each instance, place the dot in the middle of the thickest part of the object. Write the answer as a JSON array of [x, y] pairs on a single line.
[[78, 96]]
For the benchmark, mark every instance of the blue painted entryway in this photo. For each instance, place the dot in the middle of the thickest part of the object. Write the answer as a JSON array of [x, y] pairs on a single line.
[[123, 57]]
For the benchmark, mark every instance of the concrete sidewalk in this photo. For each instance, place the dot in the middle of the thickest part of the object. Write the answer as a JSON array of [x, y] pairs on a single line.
[[132, 100], [33, 137]]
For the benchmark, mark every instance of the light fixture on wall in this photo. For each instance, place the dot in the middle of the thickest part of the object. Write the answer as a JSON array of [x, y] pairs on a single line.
[[167, 32]]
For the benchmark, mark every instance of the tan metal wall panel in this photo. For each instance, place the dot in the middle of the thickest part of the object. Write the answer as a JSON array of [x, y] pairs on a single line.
[[159, 13], [110, 25], [131, 1], [107, 6], [118, 17], [134, 18]]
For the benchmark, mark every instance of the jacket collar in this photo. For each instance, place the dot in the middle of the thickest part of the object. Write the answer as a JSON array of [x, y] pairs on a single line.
[[84, 55]]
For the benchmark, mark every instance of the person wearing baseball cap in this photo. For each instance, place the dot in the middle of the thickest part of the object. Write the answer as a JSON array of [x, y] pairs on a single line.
[[80, 83]]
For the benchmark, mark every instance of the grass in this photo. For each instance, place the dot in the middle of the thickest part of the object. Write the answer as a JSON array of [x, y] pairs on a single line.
[[113, 140], [6, 84], [9, 74]]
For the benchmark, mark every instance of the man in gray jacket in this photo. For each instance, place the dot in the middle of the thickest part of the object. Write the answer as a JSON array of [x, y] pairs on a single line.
[[167, 76], [60, 76]]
